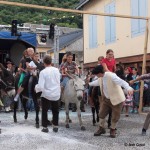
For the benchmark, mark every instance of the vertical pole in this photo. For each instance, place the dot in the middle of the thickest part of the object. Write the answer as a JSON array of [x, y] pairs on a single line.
[[56, 47], [143, 67]]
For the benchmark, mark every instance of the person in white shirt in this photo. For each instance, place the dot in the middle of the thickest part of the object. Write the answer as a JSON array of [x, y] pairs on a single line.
[[112, 97], [49, 85]]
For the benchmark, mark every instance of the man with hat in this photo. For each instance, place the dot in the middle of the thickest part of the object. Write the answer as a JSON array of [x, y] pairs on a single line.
[[112, 97]]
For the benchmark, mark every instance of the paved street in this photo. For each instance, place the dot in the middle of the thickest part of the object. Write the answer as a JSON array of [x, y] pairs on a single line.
[[24, 136]]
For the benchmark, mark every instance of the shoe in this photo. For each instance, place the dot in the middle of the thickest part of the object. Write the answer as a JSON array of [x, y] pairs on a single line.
[[135, 111], [143, 132], [55, 129], [16, 98], [45, 130], [100, 131], [131, 111], [112, 133]]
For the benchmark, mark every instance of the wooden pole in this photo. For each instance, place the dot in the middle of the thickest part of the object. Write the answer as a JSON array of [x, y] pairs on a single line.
[[144, 65], [70, 10]]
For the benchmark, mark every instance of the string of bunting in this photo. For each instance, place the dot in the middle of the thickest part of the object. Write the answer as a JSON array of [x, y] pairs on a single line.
[[63, 17]]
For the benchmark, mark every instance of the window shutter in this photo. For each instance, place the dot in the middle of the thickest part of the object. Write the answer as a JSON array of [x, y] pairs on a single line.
[[94, 39], [135, 12], [107, 25], [142, 13], [90, 31], [112, 23]]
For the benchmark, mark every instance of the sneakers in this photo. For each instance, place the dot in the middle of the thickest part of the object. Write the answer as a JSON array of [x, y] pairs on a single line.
[[135, 111], [100, 131], [132, 111], [45, 130], [16, 98]]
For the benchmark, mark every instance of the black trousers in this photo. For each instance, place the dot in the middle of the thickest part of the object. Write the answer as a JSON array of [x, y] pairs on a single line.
[[55, 111]]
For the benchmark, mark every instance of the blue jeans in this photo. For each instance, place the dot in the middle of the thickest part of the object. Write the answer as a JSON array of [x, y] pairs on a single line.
[[30, 104], [65, 80], [136, 97]]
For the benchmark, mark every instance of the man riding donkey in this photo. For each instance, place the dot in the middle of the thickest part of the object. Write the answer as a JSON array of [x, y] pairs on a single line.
[[69, 69], [112, 97]]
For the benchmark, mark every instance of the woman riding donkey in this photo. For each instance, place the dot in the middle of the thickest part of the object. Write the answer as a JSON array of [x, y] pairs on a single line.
[[27, 71], [30, 80]]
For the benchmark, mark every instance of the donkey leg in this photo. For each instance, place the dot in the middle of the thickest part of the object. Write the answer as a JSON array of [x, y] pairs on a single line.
[[93, 114], [79, 115], [15, 110], [67, 114], [25, 108], [37, 108], [109, 119], [97, 112]]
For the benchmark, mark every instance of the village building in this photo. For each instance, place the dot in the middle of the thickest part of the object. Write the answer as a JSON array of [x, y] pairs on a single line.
[[124, 36]]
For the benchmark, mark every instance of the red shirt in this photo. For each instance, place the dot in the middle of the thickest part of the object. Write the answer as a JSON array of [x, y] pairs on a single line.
[[110, 64]]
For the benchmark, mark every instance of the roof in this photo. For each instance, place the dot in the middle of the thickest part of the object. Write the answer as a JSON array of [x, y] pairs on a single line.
[[67, 39], [82, 3]]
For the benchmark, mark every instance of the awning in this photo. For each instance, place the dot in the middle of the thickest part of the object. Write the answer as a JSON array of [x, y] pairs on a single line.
[[6, 40]]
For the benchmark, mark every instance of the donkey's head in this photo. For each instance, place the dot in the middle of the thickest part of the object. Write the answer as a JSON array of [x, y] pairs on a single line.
[[78, 84]]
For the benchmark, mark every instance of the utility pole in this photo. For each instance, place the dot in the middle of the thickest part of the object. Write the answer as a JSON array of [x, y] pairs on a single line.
[[56, 47]]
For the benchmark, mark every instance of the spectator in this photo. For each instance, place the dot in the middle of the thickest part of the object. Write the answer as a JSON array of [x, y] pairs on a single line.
[[10, 68], [128, 102], [109, 63], [136, 95], [49, 85]]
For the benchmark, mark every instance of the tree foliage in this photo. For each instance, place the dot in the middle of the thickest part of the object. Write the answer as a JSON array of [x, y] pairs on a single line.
[[38, 16]]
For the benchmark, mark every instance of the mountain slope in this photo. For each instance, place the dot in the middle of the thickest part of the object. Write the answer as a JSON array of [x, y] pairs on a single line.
[[8, 13]]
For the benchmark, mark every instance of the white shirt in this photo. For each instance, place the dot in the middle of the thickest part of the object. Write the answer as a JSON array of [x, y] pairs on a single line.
[[32, 64], [115, 79], [49, 83]]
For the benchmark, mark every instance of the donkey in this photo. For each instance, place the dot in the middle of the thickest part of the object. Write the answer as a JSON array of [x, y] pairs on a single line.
[[95, 104], [24, 97], [73, 93]]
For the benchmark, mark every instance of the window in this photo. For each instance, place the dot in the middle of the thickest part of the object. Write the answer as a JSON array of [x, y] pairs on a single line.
[[138, 8], [110, 24], [42, 54], [92, 31]]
